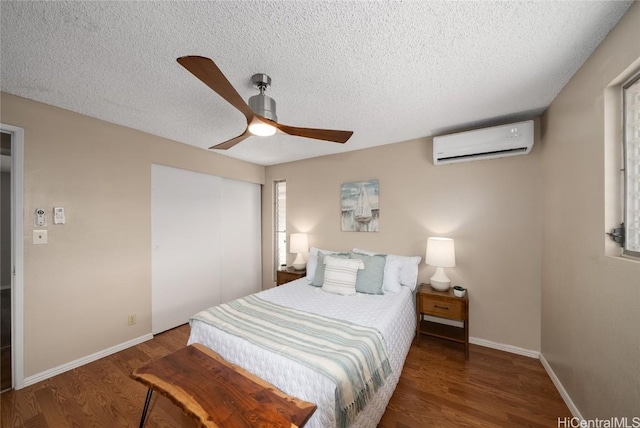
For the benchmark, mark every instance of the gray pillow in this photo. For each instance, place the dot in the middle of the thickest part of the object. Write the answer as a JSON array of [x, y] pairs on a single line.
[[318, 278], [370, 279]]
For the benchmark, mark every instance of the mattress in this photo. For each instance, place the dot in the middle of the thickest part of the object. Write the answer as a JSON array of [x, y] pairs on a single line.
[[392, 314]]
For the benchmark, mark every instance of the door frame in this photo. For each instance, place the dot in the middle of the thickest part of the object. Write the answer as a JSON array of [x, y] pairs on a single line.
[[17, 253]]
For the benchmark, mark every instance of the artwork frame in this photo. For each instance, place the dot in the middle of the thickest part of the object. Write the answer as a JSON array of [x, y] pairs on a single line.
[[360, 205]]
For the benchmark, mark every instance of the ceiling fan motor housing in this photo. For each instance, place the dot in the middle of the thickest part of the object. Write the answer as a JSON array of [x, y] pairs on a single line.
[[261, 104], [264, 106]]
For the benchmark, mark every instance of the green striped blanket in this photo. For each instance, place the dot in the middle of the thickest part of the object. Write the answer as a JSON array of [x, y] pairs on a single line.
[[354, 357]]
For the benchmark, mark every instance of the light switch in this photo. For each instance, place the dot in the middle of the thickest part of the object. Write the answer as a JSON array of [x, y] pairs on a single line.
[[40, 218], [39, 237]]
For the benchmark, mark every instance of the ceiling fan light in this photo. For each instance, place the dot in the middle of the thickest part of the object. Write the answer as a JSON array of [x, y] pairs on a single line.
[[262, 129]]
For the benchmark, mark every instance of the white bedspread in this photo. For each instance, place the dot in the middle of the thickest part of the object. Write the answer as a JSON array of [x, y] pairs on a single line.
[[393, 315]]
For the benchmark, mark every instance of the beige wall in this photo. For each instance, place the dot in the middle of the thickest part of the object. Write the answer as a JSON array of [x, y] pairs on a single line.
[[590, 302], [96, 269], [491, 208]]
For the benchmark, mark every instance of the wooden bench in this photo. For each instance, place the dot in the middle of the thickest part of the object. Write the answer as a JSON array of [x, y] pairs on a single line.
[[218, 394]]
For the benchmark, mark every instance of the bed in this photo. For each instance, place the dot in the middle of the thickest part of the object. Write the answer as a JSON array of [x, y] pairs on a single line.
[[392, 314]]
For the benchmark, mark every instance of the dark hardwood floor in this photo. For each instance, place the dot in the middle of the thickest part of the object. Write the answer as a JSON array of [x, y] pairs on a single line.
[[438, 388]]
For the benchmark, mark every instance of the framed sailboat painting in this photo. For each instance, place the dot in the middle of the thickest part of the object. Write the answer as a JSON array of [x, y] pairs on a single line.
[[360, 206]]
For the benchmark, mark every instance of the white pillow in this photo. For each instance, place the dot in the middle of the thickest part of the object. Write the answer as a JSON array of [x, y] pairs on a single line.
[[407, 274], [340, 275], [318, 279], [312, 262], [391, 280], [409, 270]]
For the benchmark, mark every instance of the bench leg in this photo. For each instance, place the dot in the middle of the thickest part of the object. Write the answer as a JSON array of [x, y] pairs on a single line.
[[146, 407]]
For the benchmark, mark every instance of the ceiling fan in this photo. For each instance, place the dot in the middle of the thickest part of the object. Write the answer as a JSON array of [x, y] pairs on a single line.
[[261, 110]]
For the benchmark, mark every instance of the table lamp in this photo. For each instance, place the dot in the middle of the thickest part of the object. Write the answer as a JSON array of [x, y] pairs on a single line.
[[299, 244], [441, 254]]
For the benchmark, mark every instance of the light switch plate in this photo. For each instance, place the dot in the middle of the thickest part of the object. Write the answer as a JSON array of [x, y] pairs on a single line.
[[40, 218], [39, 237]]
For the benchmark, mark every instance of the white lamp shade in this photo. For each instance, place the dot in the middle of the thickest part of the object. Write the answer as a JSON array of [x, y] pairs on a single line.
[[298, 243], [440, 252]]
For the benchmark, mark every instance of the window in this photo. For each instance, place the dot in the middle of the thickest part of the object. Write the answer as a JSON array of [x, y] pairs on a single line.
[[280, 224], [631, 144]]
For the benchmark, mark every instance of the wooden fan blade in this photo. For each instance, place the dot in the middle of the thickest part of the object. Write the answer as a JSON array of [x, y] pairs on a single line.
[[209, 73], [317, 134], [232, 142]]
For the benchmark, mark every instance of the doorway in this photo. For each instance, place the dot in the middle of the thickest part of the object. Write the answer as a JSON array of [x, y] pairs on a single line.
[[12, 258], [6, 378]]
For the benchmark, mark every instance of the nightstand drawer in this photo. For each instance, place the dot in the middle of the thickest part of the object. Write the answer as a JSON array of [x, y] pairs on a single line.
[[441, 307]]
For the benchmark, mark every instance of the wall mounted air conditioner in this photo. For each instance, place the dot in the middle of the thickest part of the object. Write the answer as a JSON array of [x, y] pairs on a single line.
[[487, 143]]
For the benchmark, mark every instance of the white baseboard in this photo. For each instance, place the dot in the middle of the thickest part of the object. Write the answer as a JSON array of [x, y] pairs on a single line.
[[563, 392], [85, 360], [507, 348], [538, 355], [483, 342]]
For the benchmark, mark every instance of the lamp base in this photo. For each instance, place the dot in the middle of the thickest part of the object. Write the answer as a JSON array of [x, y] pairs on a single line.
[[299, 263], [440, 281]]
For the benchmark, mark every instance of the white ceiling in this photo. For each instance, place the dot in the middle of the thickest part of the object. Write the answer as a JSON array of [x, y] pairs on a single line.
[[389, 71]]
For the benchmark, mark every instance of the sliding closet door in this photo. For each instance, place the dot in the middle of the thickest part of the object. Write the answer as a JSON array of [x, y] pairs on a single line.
[[205, 243], [186, 245], [241, 255]]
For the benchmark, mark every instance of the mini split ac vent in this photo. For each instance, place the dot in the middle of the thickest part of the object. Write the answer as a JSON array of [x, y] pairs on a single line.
[[487, 143]]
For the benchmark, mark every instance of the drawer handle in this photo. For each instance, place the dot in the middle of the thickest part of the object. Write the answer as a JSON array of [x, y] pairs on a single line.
[[446, 308]]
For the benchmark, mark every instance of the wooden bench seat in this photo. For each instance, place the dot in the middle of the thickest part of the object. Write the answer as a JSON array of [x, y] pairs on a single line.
[[218, 394]]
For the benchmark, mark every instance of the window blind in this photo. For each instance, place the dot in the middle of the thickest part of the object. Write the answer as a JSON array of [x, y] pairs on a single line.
[[631, 95], [280, 223]]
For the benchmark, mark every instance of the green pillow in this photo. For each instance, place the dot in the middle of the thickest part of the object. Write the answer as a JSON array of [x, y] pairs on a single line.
[[318, 278], [370, 278]]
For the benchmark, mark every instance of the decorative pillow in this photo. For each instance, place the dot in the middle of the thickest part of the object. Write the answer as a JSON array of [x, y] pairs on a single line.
[[370, 278], [408, 270], [391, 282], [312, 262], [406, 274], [392, 269], [340, 275], [318, 278]]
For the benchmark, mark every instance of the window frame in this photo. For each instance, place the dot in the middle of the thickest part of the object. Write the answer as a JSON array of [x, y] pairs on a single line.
[[625, 167], [279, 225]]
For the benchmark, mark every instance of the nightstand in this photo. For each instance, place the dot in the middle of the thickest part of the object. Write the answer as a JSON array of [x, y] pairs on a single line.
[[443, 304], [288, 274]]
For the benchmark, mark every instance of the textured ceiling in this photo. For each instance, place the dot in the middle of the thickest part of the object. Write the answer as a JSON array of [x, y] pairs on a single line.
[[389, 71]]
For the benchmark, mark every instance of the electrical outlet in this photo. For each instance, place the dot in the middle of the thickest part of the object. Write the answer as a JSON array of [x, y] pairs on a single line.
[[132, 319]]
